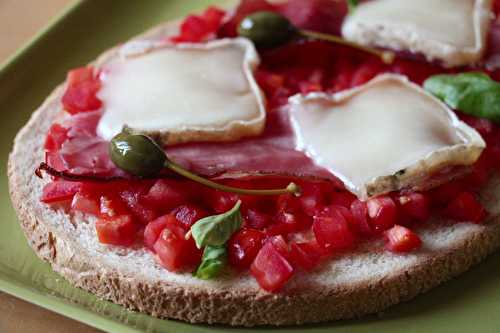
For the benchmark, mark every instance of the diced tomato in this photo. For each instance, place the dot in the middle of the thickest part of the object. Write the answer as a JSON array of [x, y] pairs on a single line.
[[244, 246], [111, 205], [360, 222], [56, 137], [366, 72], [382, 212], [288, 203], [188, 214], [85, 203], [313, 198], [414, 205], [304, 255], [401, 239], [198, 28], [466, 208], [256, 219], [480, 173], [221, 202], [286, 223], [343, 198], [333, 232], [165, 195], [213, 17], [119, 230], [59, 191], [174, 251], [270, 268], [81, 93], [445, 193], [142, 212], [154, 228]]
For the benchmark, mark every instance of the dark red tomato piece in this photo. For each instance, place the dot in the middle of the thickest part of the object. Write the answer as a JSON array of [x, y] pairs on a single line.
[[174, 251], [56, 137], [188, 214], [165, 195], [111, 205], [313, 198], [480, 173], [288, 203], [81, 92], [286, 223], [244, 246], [256, 219], [198, 28], [366, 72], [442, 195], [59, 191], [221, 202], [154, 228], [305, 255], [466, 208], [360, 222], [119, 230], [85, 203], [382, 212], [343, 198], [142, 212], [401, 239], [333, 232], [415, 205], [213, 17], [270, 268]]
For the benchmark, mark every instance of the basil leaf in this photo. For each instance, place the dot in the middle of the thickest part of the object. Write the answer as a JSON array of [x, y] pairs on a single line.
[[213, 261], [352, 4], [472, 93], [217, 229]]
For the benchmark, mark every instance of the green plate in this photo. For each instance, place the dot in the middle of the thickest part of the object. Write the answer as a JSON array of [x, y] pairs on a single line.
[[85, 29]]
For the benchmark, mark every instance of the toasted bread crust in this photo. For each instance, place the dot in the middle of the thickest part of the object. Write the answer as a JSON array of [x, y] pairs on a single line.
[[353, 285]]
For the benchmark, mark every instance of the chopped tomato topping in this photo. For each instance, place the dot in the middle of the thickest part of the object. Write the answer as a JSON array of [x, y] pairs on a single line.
[[59, 191], [333, 232], [199, 28], [305, 255], [154, 228], [382, 212], [174, 251], [85, 203], [81, 93], [119, 230], [360, 222], [415, 206], [401, 239], [188, 214], [257, 219], [244, 246], [165, 195], [270, 268], [465, 208]]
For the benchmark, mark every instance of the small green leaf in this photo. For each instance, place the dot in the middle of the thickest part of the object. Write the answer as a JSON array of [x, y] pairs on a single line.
[[217, 229], [213, 261], [472, 93], [352, 4]]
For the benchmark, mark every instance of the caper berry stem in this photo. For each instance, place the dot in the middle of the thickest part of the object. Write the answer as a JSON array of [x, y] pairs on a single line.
[[292, 188], [387, 57]]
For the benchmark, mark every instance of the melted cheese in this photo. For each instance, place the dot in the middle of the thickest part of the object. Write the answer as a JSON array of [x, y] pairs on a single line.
[[453, 31], [383, 136], [187, 92]]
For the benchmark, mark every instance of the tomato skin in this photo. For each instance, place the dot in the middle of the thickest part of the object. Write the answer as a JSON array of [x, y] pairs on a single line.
[[401, 239], [244, 246], [332, 232], [175, 253], [359, 212], [256, 219], [111, 205], [382, 212], [81, 93], [119, 230], [466, 208], [60, 191], [165, 195], [188, 214], [154, 229], [270, 268], [305, 255], [286, 223], [198, 28], [414, 205]]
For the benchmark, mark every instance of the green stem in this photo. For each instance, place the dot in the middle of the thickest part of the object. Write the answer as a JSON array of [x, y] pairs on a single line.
[[292, 188], [386, 56]]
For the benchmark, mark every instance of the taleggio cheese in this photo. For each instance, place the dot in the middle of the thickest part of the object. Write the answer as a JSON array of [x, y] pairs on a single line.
[[386, 135], [183, 93], [451, 31]]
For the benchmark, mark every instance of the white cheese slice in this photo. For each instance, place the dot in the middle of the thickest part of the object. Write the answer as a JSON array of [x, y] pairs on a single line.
[[386, 135], [183, 93], [452, 31]]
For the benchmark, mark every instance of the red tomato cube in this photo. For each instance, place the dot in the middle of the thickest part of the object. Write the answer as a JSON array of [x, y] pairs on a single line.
[[466, 208], [188, 214], [401, 239], [333, 232], [119, 230], [270, 268], [256, 219], [360, 222], [305, 255], [382, 212], [165, 195], [59, 191], [154, 228], [415, 205], [244, 246]]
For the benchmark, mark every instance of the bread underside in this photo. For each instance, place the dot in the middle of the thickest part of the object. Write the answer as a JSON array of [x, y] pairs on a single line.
[[366, 281]]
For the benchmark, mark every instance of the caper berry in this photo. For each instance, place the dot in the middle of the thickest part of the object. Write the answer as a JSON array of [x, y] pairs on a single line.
[[267, 29], [137, 154]]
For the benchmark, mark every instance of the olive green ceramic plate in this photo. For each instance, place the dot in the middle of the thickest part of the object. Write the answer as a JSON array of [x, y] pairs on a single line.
[[469, 303]]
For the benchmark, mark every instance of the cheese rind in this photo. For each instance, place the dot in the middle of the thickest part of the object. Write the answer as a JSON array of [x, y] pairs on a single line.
[[183, 93], [386, 135], [452, 31]]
